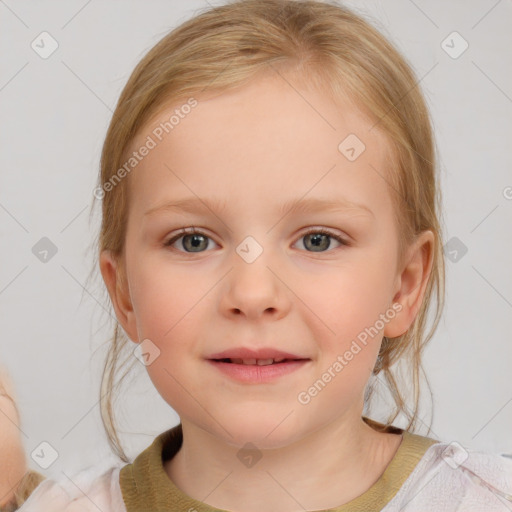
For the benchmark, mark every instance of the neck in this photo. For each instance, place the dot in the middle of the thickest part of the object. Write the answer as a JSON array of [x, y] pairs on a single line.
[[324, 469]]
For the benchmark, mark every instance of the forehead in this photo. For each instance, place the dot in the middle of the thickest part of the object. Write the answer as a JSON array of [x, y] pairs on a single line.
[[272, 137]]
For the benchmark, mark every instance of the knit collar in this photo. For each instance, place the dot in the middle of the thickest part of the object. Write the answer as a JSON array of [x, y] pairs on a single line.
[[146, 486]]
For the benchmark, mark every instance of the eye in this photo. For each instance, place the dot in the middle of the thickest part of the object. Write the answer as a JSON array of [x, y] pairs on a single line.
[[193, 240], [319, 239]]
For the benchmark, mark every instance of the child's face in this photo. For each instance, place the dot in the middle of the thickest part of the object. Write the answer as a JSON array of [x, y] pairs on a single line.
[[255, 150]]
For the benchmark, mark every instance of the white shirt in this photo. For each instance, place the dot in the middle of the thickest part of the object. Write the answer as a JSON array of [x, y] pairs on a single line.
[[448, 478]]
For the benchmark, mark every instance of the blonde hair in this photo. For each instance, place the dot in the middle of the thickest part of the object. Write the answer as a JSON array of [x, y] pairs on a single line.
[[328, 46]]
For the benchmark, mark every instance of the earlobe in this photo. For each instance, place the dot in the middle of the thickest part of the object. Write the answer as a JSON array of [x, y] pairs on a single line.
[[112, 273], [412, 282]]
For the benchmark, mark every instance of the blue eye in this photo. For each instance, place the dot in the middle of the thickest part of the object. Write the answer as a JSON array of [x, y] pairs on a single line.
[[193, 241], [319, 238]]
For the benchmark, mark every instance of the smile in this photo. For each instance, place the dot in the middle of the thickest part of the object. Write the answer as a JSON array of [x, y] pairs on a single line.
[[259, 362], [257, 371]]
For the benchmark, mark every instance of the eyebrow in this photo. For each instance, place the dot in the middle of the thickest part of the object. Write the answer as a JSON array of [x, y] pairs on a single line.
[[294, 206]]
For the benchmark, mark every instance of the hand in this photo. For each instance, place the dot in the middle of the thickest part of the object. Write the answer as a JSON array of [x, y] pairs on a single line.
[[13, 463]]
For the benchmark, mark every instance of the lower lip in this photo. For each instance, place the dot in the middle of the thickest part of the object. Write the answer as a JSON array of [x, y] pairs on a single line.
[[253, 373]]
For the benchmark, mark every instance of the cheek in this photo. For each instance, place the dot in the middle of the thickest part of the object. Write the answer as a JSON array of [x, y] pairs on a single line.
[[162, 299], [167, 308], [170, 309], [347, 299]]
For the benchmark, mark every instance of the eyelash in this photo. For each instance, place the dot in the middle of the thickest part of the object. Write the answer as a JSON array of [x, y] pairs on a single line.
[[192, 231]]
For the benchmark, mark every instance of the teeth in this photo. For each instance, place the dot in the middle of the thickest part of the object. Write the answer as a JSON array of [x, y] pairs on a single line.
[[259, 362], [264, 362]]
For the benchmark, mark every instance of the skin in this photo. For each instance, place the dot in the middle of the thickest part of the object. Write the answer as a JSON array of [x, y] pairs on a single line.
[[13, 465], [258, 147]]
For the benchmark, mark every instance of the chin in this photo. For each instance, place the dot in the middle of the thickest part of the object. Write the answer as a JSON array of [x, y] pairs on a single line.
[[265, 432]]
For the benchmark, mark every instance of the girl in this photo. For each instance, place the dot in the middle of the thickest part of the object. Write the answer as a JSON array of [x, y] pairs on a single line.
[[271, 245]]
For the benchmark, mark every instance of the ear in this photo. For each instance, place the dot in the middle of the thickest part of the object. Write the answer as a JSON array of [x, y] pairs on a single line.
[[411, 283], [114, 275]]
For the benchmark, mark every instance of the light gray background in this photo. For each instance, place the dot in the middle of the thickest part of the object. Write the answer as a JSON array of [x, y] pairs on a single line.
[[54, 113]]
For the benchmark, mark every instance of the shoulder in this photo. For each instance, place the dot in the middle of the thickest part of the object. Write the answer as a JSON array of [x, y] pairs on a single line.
[[92, 489], [451, 477]]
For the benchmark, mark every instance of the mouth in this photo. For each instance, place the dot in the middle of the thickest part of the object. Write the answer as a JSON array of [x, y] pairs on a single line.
[[262, 356], [258, 362], [257, 367]]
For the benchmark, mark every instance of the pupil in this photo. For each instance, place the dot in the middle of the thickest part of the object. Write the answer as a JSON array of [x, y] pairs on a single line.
[[195, 241], [319, 240]]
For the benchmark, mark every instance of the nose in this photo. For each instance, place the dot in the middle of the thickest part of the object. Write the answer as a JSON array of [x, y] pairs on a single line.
[[255, 290]]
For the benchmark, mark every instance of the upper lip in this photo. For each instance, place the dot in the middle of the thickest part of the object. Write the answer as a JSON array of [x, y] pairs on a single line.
[[247, 353]]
